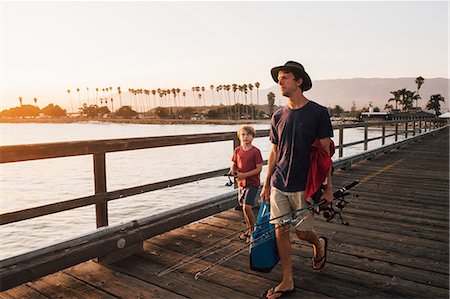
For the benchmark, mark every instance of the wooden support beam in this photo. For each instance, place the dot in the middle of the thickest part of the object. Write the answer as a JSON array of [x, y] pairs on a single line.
[[106, 241]]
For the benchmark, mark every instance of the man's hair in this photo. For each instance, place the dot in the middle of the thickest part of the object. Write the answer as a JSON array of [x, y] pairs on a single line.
[[248, 129], [297, 75]]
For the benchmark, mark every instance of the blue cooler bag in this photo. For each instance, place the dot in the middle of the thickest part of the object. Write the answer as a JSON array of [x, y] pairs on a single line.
[[263, 247]]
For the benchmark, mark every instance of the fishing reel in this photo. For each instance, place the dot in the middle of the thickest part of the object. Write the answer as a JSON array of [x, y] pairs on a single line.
[[230, 182], [328, 211]]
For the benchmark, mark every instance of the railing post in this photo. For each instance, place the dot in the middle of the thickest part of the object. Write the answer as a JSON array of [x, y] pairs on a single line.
[[414, 128], [383, 134], [406, 129], [101, 209], [396, 131], [366, 136], [341, 142]]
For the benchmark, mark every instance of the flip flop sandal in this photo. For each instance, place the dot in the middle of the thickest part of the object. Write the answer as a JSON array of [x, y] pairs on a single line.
[[244, 237], [283, 294], [323, 258]]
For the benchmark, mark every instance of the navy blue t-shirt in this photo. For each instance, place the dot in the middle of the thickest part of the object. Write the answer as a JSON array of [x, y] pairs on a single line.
[[294, 131]]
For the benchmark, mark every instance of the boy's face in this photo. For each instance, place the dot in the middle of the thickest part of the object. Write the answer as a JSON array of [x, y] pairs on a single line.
[[246, 138]]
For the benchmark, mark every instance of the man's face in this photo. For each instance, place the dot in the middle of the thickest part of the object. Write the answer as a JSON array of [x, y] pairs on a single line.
[[288, 84]]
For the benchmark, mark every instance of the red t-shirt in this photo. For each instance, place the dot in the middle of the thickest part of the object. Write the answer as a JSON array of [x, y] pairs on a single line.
[[247, 161]]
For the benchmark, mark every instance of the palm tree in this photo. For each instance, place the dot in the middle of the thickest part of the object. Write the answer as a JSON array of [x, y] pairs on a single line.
[[407, 100], [87, 90], [178, 96], [154, 99], [203, 95], [415, 97], [235, 88], [96, 96], [120, 95], [227, 89], [70, 98], [388, 107], [35, 101], [257, 93], [396, 98], [419, 82], [252, 108], [271, 101], [433, 103], [212, 92], [184, 98], [79, 99], [20, 100]]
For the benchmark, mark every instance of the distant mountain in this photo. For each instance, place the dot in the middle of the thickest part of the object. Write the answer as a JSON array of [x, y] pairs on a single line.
[[365, 90]]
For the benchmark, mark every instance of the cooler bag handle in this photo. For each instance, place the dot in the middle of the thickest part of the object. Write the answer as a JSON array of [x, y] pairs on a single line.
[[263, 210]]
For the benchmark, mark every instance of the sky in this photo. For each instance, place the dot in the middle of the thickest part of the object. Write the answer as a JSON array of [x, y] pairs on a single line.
[[49, 47]]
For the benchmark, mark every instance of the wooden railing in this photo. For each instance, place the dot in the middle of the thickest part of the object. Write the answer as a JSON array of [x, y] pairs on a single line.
[[99, 148], [110, 243]]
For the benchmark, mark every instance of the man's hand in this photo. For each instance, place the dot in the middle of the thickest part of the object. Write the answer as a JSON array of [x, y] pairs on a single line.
[[327, 194], [265, 193]]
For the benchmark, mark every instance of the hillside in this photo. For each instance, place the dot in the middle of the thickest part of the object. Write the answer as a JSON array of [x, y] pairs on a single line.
[[364, 90]]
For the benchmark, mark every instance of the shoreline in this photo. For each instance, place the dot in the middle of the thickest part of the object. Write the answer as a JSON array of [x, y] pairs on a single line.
[[152, 121]]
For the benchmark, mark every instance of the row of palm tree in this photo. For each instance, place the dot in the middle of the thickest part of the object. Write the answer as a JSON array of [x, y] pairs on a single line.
[[141, 102], [406, 98]]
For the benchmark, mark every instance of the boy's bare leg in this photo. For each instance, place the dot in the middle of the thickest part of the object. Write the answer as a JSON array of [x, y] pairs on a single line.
[[249, 218]]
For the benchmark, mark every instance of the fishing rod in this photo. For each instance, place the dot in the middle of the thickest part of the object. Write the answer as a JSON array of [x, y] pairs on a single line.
[[267, 236], [204, 251], [338, 195]]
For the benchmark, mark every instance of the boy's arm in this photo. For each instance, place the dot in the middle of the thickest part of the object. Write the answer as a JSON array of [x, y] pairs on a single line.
[[256, 171], [233, 168]]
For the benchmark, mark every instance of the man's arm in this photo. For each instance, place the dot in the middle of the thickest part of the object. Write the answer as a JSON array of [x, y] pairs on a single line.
[[265, 192], [328, 192]]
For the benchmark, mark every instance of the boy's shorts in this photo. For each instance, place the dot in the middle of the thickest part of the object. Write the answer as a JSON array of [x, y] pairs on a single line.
[[247, 195], [284, 203]]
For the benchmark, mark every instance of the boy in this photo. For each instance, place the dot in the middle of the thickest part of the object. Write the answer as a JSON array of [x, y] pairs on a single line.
[[246, 166]]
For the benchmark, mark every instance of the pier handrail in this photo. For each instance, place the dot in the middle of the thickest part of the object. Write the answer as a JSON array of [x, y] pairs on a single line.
[[98, 148], [111, 243]]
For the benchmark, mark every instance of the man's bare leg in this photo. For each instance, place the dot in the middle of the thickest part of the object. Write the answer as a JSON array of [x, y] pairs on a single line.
[[285, 252], [318, 243]]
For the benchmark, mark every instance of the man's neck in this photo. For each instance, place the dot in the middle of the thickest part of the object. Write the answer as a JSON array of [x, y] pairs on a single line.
[[297, 100]]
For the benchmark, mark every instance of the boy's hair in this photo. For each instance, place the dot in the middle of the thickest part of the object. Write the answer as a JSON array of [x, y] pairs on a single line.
[[248, 129]]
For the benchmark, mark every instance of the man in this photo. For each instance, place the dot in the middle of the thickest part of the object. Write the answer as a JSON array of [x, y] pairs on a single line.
[[293, 130]]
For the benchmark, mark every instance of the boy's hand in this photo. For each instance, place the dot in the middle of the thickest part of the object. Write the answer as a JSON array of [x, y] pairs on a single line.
[[265, 193], [240, 175]]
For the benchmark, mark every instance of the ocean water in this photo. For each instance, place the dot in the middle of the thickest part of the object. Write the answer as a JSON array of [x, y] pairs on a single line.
[[33, 183]]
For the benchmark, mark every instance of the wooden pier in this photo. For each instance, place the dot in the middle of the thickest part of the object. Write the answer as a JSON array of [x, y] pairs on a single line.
[[397, 244]]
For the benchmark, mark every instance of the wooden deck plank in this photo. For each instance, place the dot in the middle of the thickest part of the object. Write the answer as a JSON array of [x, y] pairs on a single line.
[[61, 285], [395, 247], [22, 291], [117, 283]]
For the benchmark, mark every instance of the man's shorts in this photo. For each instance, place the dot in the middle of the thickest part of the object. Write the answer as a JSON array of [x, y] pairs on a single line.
[[247, 195], [285, 203]]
